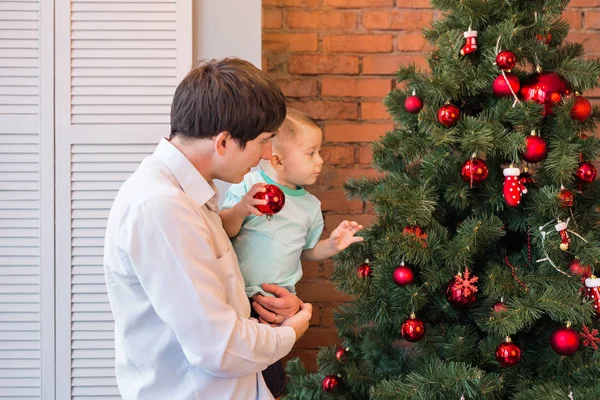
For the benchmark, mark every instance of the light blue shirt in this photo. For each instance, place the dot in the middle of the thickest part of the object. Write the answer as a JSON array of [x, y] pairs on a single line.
[[269, 251], [182, 320]]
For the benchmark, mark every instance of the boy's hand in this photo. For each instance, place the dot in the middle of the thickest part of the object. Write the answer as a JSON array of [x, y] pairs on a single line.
[[343, 235], [247, 205]]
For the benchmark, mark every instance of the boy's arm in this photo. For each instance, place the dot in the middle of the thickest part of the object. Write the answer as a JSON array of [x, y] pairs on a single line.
[[340, 239], [232, 220], [236, 208]]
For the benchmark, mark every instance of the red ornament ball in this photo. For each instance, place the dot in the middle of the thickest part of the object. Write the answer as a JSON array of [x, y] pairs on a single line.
[[499, 307], [566, 198], [536, 149], [582, 109], [501, 88], [341, 354], [403, 275], [586, 173], [458, 297], [274, 197], [545, 88], [508, 354], [547, 38], [576, 268], [364, 270], [506, 60], [331, 383], [448, 115], [474, 170], [565, 341], [413, 329], [413, 104]]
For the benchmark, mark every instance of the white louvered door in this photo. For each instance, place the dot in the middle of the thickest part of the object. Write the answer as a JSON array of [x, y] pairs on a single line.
[[117, 66], [26, 200]]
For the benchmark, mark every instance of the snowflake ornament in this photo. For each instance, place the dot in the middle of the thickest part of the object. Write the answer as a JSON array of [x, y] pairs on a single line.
[[590, 339]]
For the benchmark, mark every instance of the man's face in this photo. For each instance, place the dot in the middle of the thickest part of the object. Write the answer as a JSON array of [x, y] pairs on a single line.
[[238, 162]]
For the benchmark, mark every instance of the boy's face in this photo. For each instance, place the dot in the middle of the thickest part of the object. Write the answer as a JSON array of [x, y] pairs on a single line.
[[302, 162], [239, 161]]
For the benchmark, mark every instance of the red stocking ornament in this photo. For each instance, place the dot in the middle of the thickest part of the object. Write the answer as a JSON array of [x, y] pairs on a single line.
[[471, 43], [513, 187], [592, 285], [565, 240]]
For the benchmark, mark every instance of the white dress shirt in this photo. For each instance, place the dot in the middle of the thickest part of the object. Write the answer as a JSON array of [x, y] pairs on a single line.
[[182, 319]]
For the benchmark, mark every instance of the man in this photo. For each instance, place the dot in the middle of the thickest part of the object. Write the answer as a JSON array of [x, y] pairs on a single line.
[[182, 327]]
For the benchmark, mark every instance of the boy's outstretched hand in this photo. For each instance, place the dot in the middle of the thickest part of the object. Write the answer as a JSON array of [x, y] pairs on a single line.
[[343, 235]]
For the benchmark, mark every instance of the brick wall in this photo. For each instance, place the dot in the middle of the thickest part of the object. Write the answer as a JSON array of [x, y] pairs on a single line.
[[335, 60]]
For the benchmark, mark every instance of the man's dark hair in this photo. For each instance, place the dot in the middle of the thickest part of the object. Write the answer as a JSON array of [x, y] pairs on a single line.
[[226, 95]]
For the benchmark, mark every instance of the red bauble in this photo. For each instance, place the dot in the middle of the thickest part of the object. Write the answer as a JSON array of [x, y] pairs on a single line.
[[501, 88], [474, 171], [586, 173], [331, 383], [341, 354], [275, 200], [592, 292], [546, 88], [506, 60], [461, 291], [413, 104], [547, 38], [582, 109], [536, 149], [508, 354], [403, 275], [499, 307], [448, 114], [364, 270], [566, 198], [565, 341], [576, 268], [413, 329]]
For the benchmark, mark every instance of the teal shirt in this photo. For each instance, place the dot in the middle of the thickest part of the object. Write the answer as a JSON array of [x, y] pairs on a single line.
[[269, 251]]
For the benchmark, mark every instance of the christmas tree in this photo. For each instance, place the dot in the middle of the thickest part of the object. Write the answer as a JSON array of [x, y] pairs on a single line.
[[477, 280]]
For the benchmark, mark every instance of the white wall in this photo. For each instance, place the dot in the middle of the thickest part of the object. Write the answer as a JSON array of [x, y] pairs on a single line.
[[224, 28]]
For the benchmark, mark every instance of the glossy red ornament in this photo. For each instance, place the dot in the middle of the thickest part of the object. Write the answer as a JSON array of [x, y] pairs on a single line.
[[582, 109], [565, 341], [413, 104], [508, 354], [364, 270], [448, 115], [513, 188], [506, 60], [275, 200], [536, 149], [499, 307], [545, 88], [470, 43], [576, 268], [474, 171], [331, 383], [341, 354], [592, 292], [413, 329], [461, 291], [403, 275], [586, 173], [547, 38], [501, 87]]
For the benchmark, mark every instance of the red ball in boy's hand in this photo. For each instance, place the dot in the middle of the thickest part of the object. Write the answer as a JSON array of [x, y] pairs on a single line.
[[274, 197]]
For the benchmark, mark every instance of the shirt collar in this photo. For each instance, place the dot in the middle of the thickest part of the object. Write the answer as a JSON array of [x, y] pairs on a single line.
[[188, 177]]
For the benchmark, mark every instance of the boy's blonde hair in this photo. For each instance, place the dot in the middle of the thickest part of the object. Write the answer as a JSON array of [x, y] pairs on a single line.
[[294, 119]]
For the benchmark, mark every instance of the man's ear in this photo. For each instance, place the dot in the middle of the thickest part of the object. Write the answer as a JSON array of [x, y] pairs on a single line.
[[276, 161], [222, 141]]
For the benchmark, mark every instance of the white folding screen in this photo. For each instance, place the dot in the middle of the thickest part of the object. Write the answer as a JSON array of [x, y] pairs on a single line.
[[117, 65]]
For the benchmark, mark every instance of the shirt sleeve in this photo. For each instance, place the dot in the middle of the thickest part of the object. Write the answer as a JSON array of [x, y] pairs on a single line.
[[314, 232], [234, 194], [168, 246]]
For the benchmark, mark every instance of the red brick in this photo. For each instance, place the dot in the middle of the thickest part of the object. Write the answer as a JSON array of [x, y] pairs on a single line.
[[315, 292], [340, 132], [317, 337], [592, 20], [573, 17], [291, 3], [335, 200], [308, 358], [408, 20], [590, 41], [388, 65], [584, 3], [315, 320], [359, 3], [339, 110], [318, 64], [328, 266], [311, 269], [413, 4], [290, 41], [365, 154], [358, 43], [355, 87], [373, 110], [333, 220], [271, 18], [333, 155], [413, 41], [335, 177], [593, 93], [298, 87], [327, 317], [322, 20]]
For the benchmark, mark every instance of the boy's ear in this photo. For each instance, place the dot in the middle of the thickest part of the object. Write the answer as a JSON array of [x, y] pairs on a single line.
[[276, 161], [222, 141]]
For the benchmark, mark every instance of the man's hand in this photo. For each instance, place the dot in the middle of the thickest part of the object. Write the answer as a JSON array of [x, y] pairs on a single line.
[[343, 236], [275, 310]]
